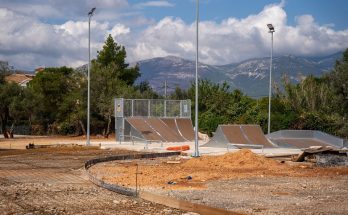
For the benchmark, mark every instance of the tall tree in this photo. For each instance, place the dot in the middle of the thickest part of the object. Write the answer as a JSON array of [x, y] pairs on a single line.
[[8, 94], [338, 79], [115, 54], [50, 88]]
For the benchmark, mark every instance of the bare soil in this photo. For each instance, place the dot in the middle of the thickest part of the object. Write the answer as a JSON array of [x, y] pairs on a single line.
[[53, 181], [241, 182], [20, 142]]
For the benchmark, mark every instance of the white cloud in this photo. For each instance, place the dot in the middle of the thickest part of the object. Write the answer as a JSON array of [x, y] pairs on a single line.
[[233, 40], [162, 3], [118, 30], [27, 42]]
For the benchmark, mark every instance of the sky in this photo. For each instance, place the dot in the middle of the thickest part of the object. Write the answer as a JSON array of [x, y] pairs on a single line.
[[49, 33]]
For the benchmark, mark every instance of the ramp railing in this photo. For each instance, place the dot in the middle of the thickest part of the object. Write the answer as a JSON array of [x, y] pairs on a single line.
[[132, 138]]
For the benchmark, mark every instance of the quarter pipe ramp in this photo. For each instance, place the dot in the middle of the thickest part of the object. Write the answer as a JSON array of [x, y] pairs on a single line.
[[160, 129], [240, 135], [304, 139]]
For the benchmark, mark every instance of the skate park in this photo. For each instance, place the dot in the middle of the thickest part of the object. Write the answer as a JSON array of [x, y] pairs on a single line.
[[155, 125]]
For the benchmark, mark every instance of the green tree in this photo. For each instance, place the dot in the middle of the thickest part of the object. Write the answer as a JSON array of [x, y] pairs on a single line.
[[105, 86], [145, 91], [50, 87], [114, 54], [8, 96], [338, 80], [179, 94]]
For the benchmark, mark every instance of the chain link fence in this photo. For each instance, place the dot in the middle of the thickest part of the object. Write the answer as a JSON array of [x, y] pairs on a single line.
[[153, 108]]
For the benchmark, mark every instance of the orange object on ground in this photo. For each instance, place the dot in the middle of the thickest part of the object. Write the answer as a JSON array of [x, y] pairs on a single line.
[[179, 148]]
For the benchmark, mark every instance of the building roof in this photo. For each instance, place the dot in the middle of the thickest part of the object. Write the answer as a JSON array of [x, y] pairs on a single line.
[[19, 78]]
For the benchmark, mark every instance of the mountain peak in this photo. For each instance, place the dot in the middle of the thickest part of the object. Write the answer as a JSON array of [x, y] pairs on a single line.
[[251, 76]]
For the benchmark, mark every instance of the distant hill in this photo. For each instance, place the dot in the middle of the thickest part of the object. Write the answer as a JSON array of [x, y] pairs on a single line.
[[250, 76]]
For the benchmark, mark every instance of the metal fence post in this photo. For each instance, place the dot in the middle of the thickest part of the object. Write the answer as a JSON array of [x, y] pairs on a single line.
[[165, 108], [132, 107], [149, 108]]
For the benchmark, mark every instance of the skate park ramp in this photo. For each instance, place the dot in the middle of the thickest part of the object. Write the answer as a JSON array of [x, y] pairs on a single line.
[[304, 139], [167, 133], [160, 129], [244, 135], [185, 128], [171, 123], [140, 129]]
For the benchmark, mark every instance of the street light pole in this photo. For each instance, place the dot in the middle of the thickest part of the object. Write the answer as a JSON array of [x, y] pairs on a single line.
[[271, 30], [196, 153], [90, 14]]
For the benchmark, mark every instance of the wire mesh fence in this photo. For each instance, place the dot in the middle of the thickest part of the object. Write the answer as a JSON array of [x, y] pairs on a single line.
[[153, 108]]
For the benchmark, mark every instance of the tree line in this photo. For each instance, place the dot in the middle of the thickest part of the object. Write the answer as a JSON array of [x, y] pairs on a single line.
[[55, 101]]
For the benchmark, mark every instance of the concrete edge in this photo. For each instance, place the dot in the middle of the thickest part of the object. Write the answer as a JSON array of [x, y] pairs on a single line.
[[113, 187]]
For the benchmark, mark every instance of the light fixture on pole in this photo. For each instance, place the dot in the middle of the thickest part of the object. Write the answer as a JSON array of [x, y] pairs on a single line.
[[90, 14], [196, 153], [271, 30]]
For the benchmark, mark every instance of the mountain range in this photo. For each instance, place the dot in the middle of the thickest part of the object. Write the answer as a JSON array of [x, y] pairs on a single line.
[[250, 76]]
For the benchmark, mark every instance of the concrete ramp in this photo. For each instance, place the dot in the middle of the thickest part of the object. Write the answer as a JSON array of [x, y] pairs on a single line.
[[242, 135], [304, 139]]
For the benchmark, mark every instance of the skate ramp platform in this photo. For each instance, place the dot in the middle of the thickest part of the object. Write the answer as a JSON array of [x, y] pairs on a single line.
[[160, 129], [304, 139], [239, 136]]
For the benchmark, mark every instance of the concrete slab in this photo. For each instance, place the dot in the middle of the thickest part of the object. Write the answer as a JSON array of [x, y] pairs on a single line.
[[161, 147]]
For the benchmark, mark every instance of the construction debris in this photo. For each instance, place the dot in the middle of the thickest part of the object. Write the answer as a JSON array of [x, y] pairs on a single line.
[[324, 156]]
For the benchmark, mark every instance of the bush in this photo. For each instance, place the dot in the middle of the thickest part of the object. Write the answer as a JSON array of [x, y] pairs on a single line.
[[208, 122]]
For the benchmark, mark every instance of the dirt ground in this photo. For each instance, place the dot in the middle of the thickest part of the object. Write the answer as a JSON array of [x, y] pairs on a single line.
[[19, 142], [241, 182], [52, 181]]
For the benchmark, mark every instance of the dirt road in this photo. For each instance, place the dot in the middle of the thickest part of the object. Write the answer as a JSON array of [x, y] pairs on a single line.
[[52, 181]]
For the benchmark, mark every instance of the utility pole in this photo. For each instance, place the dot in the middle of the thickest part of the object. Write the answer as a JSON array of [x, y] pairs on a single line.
[[271, 30], [90, 14], [196, 153]]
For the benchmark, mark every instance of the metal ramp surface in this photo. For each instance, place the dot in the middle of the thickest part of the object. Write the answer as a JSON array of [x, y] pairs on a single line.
[[246, 136], [160, 129], [304, 139], [185, 128]]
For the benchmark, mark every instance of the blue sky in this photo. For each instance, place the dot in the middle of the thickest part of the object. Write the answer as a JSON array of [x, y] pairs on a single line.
[[324, 11], [54, 33]]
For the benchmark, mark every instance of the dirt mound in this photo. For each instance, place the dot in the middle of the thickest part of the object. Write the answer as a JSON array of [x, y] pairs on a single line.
[[244, 158], [243, 163]]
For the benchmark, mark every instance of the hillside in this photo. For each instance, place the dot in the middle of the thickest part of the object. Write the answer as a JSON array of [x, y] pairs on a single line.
[[251, 76]]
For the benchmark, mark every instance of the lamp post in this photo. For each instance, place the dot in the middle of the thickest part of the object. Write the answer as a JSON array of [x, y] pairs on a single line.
[[196, 153], [271, 30], [90, 14]]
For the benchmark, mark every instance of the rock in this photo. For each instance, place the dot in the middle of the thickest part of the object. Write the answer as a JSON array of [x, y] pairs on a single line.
[[190, 213], [168, 211], [116, 202]]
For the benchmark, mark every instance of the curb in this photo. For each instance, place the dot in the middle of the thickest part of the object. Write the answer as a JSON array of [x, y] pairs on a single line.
[[116, 188]]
